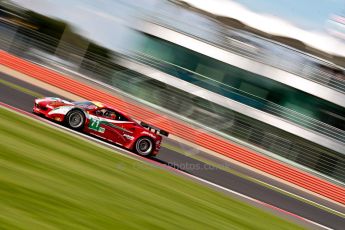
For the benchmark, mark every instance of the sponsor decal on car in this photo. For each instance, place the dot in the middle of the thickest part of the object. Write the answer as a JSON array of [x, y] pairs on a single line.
[[95, 124], [129, 137]]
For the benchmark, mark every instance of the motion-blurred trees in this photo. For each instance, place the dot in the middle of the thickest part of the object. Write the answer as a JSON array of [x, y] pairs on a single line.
[[58, 30], [51, 35]]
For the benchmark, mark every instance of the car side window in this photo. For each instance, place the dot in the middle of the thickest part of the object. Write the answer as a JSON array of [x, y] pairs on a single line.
[[119, 117], [110, 114], [100, 112]]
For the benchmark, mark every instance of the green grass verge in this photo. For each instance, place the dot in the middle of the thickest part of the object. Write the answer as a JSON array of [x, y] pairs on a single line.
[[53, 180]]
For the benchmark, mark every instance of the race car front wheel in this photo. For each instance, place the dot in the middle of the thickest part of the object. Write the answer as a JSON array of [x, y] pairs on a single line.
[[144, 146], [75, 119]]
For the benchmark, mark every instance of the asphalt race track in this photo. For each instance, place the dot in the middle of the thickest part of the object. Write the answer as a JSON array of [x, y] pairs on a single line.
[[19, 99]]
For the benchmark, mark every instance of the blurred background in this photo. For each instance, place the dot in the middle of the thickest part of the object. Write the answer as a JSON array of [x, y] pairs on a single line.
[[270, 77]]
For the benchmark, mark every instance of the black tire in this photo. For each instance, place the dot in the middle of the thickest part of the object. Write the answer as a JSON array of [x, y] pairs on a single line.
[[75, 119], [144, 146]]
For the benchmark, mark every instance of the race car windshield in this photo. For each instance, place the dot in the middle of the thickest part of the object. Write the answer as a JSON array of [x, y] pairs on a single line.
[[83, 103]]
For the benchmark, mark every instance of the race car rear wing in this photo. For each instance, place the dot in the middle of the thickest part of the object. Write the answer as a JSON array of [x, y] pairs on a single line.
[[156, 130]]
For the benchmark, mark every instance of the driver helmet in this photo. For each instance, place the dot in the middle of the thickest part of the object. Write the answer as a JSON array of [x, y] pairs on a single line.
[[113, 116]]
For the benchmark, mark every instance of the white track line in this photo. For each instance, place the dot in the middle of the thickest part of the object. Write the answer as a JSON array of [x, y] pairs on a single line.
[[136, 157]]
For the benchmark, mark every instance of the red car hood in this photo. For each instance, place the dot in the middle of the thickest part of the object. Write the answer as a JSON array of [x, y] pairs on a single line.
[[52, 103]]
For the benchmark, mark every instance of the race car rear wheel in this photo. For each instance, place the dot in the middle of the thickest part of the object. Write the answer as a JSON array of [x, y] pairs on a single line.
[[144, 146], [75, 119]]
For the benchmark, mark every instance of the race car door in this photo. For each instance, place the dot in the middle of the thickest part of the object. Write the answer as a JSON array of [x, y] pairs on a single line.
[[103, 125]]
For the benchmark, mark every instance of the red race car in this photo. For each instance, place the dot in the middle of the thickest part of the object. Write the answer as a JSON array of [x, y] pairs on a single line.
[[103, 121]]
